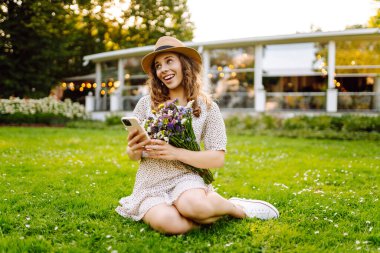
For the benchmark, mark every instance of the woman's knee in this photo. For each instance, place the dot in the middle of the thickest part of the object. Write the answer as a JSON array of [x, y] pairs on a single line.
[[169, 222], [195, 207]]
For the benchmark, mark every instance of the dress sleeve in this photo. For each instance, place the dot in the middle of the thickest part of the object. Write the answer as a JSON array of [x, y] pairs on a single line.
[[214, 132], [142, 108]]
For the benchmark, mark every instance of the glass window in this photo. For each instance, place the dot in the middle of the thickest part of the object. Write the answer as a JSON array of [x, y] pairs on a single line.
[[358, 57], [231, 77], [298, 59], [295, 83], [109, 77]]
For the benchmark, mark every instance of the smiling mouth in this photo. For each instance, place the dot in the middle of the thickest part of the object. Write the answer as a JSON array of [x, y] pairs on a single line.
[[168, 77]]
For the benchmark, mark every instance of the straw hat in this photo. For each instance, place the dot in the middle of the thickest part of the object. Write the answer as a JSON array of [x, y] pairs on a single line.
[[169, 44]]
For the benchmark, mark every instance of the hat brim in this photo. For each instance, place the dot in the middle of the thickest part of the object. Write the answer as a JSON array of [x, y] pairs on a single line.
[[148, 59]]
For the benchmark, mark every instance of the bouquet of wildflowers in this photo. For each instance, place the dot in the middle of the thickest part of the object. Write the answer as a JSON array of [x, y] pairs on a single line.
[[173, 123]]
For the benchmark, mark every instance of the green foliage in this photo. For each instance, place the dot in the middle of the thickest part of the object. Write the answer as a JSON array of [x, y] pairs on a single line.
[[361, 52], [374, 21], [152, 19], [38, 118], [361, 123], [59, 188], [330, 127], [43, 41], [296, 123], [48, 111], [113, 119], [87, 124], [39, 44]]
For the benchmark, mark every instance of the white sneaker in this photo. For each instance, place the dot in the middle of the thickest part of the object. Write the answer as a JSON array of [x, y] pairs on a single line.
[[256, 208]]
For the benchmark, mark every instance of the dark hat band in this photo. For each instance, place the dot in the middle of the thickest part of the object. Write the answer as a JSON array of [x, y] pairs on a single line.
[[162, 48]]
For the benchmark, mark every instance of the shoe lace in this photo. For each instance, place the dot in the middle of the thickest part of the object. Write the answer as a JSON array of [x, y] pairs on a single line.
[[256, 211]]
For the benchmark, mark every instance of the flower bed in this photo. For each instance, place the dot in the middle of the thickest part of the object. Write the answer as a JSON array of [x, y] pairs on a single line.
[[48, 111]]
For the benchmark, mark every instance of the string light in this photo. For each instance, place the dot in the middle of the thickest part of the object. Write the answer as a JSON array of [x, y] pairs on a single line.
[[370, 81], [89, 86], [103, 85]]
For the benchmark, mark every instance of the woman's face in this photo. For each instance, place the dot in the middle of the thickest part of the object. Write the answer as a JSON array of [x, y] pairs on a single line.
[[169, 69]]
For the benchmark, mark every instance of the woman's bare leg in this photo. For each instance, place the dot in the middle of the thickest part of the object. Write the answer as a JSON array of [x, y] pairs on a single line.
[[206, 207], [167, 220]]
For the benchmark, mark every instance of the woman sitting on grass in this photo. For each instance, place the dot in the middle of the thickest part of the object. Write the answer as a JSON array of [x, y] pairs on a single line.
[[169, 197]]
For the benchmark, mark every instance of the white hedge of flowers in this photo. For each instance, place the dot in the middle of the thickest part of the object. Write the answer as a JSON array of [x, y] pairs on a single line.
[[45, 105]]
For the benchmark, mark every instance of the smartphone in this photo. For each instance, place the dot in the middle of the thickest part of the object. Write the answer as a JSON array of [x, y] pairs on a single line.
[[132, 123]]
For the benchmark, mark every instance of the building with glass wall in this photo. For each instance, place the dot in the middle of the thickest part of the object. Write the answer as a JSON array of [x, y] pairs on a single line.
[[308, 72]]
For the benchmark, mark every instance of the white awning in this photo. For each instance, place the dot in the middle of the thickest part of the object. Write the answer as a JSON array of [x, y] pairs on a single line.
[[354, 34]]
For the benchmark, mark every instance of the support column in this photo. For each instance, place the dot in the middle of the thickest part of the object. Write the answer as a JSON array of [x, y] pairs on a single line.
[[206, 70], [116, 97], [115, 102], [98, 81], [331, 93], [120, 76], [260, 98], [376, 89], [90, 102]]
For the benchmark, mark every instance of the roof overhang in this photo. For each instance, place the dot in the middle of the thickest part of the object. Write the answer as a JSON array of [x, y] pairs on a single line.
[[354, 34]]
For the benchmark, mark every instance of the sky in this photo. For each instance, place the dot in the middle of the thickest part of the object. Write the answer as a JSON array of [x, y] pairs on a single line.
[[229, 19]]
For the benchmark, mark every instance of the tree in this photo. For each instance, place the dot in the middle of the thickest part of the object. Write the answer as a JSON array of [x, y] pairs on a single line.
[[375, 20], [38, 44], [147, 20], [43, 41], [355, 52]]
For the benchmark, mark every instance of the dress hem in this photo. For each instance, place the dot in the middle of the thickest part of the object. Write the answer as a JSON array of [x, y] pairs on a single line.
[[122, 210]]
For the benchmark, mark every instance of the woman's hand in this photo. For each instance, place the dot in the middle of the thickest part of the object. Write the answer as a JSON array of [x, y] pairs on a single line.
[[159, 149], [201, 159], [136, 143]]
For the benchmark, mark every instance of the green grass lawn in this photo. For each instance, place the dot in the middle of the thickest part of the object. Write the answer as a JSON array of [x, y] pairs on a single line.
[[59, 188]]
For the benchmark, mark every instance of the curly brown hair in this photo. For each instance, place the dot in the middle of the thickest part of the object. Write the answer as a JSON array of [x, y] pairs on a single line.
[[192, 83]]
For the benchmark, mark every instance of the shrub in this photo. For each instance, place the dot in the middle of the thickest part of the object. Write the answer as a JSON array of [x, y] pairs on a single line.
[[337, 123], [298, 122], [87, 124], [269, 122], [319, 122], [39, 111], [331, 127], [234, 122], [361, 123], [113, 119]]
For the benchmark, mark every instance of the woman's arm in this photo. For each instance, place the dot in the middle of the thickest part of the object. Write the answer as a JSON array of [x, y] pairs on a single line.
[[201, 159]]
